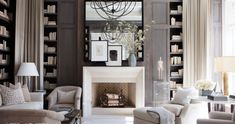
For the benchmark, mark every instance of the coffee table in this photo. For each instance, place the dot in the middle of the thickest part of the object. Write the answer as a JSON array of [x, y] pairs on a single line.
[[72, 117]]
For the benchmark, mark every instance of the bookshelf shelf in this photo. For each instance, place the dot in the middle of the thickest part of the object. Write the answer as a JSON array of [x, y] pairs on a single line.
[[175, 45], [50, 43]]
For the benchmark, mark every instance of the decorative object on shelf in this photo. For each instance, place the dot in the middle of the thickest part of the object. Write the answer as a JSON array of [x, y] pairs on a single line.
[[160, 69], [28, 69], [99, 51], [173, 21], [225, 64], [133, 38], [114, 55], [205, 87], [132, 61], [111, 9]]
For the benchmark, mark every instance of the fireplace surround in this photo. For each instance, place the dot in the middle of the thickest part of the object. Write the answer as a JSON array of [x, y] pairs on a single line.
[[96, 79]]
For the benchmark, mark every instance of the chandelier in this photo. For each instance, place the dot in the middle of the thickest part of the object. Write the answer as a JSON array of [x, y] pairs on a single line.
[[112, 31], [112, 9]]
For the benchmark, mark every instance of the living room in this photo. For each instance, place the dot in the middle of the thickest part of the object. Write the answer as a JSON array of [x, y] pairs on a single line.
[[117, 61]]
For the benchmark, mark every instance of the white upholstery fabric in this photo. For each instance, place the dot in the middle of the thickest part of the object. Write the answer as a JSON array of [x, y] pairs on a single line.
[[26, 105], [11, 96], [36, 103], [174, 108], [66, 97], [182, 96], [25, 91]]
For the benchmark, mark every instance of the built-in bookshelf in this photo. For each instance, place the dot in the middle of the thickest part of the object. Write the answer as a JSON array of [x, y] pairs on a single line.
[[175, 44], [7, 40], [50, 44], [86, 44]]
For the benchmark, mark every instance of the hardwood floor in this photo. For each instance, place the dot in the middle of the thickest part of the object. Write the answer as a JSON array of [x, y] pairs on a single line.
[[108, 119]]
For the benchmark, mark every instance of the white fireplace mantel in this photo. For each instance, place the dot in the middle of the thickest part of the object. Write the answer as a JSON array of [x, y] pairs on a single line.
[[111, 75]]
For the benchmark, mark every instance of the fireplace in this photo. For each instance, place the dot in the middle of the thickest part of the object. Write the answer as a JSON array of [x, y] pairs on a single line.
[[114, 79], [124, 94]]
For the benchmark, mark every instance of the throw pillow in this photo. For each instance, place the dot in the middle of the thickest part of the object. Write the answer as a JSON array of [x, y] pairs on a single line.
[[11, 96], [66, 97], [182, 96], [25, 90]]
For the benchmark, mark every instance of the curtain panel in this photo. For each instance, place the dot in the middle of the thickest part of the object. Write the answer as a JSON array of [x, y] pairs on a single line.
[[29, 36], [196, 16]]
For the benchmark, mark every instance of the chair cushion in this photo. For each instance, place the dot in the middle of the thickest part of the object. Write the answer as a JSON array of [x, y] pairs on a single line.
[[25, 91], [67, 97], [11, 96], [174, 108], [141, 113], [182, 96]]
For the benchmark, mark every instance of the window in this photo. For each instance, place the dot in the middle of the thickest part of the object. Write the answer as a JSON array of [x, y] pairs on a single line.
[[228, 43]]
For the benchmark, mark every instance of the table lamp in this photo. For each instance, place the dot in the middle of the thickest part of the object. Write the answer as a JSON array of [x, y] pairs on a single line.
[[225, 64], [27, 69]]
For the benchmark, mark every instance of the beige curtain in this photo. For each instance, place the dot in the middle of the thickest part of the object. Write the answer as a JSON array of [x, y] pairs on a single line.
[[29, 36], [196, 38]]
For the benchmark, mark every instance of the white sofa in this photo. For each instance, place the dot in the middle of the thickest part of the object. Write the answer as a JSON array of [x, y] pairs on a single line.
[[36, 103]]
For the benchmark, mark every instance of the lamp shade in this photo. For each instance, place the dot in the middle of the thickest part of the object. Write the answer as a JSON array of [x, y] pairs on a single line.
[[27, 69], [225, 64]]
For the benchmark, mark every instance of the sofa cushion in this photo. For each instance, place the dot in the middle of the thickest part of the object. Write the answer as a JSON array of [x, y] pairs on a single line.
[[11, 96], [66, 97], [182, 96], [141, 113], [26, 105], [174, 108], [25, 91]]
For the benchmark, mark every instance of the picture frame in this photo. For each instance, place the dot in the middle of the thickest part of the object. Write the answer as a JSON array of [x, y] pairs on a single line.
[[114, 55], [99, 50]]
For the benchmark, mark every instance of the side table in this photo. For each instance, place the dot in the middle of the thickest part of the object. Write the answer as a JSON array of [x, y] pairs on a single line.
[[218, 105]]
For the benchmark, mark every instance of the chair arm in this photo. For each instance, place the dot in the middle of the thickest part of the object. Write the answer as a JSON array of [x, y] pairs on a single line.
[[78, 98], [36, 96], [191, 112], [220, 115], [214, 121], [52, 98]]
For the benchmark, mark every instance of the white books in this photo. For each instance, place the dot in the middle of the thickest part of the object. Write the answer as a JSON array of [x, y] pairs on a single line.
[[51, 9], [51, 49], [45, 20], [51, 23], [51, 60], [52, 36], [3, 31]]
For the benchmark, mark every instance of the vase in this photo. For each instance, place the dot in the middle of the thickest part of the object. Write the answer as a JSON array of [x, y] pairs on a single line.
[[205, 92], [132, 60]]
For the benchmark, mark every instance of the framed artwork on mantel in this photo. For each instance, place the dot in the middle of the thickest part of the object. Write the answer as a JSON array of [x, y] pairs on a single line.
[[99, 50], [114, 55]]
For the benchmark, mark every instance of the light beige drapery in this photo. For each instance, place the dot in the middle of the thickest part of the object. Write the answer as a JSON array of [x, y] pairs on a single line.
[[29, 36], [196, 15]]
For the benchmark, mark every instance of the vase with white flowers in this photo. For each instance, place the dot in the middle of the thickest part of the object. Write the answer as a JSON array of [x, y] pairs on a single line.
[[205, 87], [132, 39]]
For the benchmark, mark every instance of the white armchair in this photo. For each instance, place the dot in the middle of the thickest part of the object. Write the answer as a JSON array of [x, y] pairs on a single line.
[[53, 97]]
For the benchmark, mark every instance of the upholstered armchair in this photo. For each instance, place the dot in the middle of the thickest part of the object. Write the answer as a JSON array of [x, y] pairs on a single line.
[[65, 96], [218, 118]]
